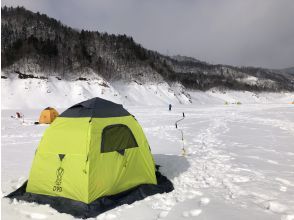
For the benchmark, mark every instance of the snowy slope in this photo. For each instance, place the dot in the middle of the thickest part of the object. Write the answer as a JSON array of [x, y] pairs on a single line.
[[239, 163], [40, 93]]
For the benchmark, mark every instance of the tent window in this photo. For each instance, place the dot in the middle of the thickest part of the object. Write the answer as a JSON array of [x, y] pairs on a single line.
[[117, 138]]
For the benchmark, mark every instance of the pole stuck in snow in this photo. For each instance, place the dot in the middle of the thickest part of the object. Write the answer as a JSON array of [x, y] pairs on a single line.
[[176, 124]]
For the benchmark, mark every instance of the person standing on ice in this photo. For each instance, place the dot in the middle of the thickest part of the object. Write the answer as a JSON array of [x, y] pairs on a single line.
[[169, 107]]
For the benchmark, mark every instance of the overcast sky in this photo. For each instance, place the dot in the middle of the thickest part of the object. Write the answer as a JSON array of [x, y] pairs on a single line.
[[236, 32]]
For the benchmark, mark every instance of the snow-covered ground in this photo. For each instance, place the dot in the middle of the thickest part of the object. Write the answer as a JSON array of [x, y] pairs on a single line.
[[35, 93], [239, 162]]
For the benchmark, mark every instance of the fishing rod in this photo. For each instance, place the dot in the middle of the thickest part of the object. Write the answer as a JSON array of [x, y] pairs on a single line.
[[182, 133]]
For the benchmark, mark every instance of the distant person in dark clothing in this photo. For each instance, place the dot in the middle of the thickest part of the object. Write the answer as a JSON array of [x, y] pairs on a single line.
[[169, 107], [18, 115]]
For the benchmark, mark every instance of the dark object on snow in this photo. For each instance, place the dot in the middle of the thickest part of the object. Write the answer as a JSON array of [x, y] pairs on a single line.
[[82, 210], [176, 124], [169, 107], [36, 123], [182, 133]]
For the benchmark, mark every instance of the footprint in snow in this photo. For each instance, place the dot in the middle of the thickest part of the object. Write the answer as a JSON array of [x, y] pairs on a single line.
[[163, 214], [284, 181], [204, 201], [283, 188], [254, 157], [193, 194], [240, 179], [192, 213], [105, 216], [287, 217], [110, 216], [34, 215], [272, 162], [275, 207]]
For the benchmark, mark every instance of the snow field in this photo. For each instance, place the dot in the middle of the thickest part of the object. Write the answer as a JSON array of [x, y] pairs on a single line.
[[239, 163]]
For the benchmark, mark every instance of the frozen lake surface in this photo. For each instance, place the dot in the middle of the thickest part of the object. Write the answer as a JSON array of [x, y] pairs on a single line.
[[239, 163]]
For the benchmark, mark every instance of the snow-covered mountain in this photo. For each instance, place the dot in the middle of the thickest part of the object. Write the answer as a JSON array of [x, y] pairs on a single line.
[[34, 43], [47, 63]]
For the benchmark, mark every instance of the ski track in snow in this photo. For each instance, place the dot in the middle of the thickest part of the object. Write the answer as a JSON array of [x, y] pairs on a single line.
[[239, 160]]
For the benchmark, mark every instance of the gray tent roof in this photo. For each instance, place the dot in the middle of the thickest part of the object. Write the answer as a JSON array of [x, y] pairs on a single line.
[[95, 108]]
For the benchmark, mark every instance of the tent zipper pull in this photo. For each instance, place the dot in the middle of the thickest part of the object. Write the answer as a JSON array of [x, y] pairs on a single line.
[[85, 168]]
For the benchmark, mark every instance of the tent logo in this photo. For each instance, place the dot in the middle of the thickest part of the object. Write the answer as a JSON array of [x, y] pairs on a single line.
[[58, 181]]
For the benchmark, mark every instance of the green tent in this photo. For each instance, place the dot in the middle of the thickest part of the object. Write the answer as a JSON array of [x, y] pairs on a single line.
[[92, 150]]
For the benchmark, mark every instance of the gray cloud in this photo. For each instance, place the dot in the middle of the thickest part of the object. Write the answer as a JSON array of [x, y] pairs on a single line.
[[236, 32]]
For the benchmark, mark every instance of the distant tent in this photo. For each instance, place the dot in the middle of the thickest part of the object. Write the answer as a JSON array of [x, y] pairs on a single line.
[[48, 115], [92, 158]]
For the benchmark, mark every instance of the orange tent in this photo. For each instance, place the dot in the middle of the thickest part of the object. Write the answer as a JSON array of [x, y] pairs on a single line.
[[48, 115]]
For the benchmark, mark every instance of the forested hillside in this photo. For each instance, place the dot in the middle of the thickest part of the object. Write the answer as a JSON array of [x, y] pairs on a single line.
[[34, 45]]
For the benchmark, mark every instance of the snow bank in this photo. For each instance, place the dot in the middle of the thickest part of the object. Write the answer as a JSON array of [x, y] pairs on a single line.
[[33, 93]]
